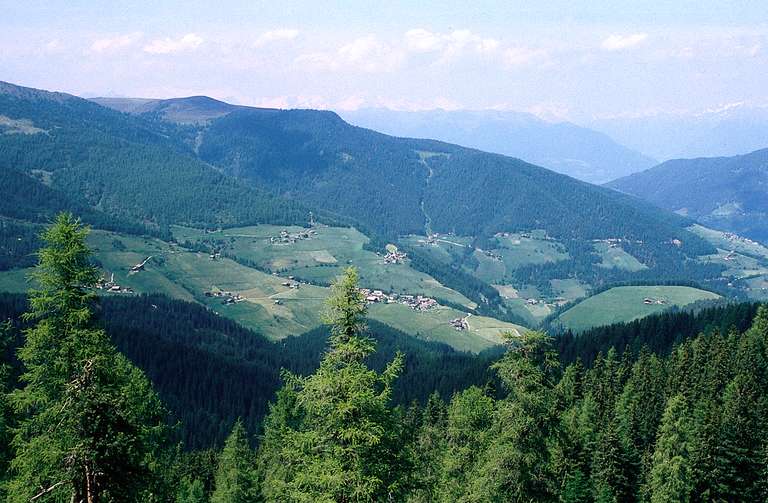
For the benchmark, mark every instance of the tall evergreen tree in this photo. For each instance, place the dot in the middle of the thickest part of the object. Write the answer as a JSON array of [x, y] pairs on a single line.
[[516, 466], [671, 478], [91, 426], [235, 475], [429, 445], [345, 446], [6, 334], [470, 418]]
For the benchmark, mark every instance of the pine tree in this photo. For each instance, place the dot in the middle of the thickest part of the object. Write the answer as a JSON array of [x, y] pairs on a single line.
[[610, 466], [191, 491], [235, 476], [344, 444], [91, 427], [671, 478], [6, 334], [742, 437], [470, 417], [428, 447], [517, 463]]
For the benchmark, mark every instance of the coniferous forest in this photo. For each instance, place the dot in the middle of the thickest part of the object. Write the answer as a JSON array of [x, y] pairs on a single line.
[[671, 408]]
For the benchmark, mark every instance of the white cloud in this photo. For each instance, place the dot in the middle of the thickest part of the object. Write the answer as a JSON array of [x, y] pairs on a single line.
[[450, 45], [54, 46], [367, 53], [619, 42], [421, 40], [169, 45], [115, 43], [515, 56], [278, 35]]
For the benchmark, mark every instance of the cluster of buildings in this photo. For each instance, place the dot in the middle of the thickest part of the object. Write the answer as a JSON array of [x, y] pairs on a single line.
[[286, 237], [649, 301], [415, 302], [730, 236], [291, 283], [111, 286], [615, 242], [226, 297], [492, 254]]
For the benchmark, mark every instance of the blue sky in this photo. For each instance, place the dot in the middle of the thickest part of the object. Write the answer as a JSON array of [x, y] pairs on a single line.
[[558, 59]]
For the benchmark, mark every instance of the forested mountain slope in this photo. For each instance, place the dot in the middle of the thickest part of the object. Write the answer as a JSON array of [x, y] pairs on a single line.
[[396, 186], [118, 164], [728, 193]]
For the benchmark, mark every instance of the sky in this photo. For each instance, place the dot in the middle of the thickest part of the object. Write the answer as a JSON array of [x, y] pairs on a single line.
[[562, 60]]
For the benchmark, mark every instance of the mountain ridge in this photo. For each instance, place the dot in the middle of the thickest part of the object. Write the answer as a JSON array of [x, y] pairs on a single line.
[[564, 147], [727, 193]]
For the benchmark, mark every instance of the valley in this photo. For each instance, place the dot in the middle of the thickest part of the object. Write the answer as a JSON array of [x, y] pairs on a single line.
[[293, 197]]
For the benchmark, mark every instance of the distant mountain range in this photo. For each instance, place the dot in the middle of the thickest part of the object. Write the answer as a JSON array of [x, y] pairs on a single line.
[[563, 147], [727, 193], [730, 131]]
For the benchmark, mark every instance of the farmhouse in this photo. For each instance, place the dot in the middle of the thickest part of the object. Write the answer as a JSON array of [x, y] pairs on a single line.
[[460, 324], [140, 266], [394, 257]]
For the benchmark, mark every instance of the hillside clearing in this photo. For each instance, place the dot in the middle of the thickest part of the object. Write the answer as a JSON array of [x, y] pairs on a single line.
[[627, 303]]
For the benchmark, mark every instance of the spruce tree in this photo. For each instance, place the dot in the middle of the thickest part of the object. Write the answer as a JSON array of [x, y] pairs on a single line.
[[517, 463], [341, 440], [191, 491], [671, 478], [91, 426], [235, 476], [6, 335]]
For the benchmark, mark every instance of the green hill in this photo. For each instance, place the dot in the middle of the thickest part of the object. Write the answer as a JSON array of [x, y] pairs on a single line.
[[627, 303]]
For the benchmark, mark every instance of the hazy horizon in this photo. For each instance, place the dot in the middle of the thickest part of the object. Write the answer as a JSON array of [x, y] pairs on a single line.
[[558, 61]]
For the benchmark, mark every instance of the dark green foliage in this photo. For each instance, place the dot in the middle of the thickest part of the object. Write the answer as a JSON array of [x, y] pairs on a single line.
[[191, 491], [95, 156], [90, 426], [24, 197], [659, 332], [235, 475], [18, 244]]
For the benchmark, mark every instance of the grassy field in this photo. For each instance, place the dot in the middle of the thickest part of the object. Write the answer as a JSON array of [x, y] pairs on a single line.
[[265, 303], [569, 289], [617, 258], [322, 257], [726, 241], [433, 325], [625, 303], [737, 265]]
